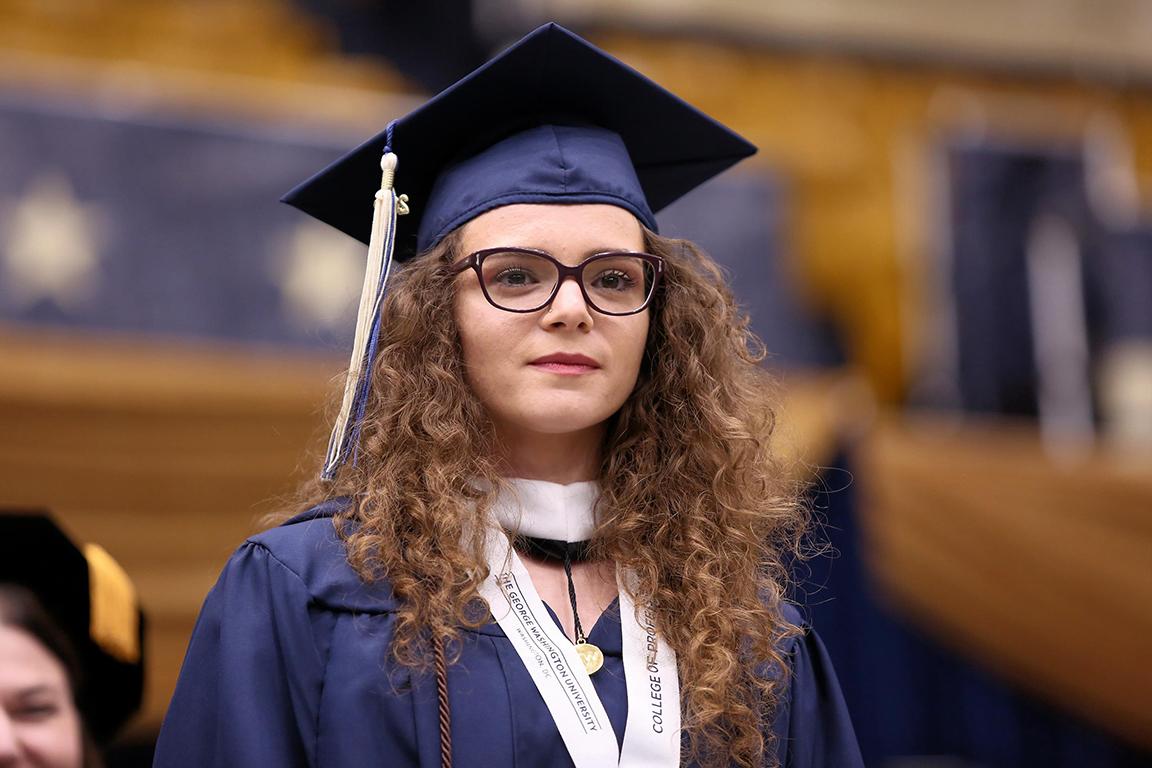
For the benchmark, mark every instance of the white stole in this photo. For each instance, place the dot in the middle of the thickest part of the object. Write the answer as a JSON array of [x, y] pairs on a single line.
[[652, 734]]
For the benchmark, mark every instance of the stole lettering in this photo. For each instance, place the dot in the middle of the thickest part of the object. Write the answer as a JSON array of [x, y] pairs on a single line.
[[558, 664], [655, 683]]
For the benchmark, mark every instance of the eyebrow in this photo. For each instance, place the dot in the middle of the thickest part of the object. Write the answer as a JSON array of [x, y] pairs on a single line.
[[584, 254], [38, 690]]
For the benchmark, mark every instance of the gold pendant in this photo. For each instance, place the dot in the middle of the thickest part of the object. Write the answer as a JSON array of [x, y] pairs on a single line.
[[590, 656]]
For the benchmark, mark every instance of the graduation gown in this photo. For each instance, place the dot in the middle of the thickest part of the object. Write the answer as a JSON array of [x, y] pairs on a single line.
[[288, 666]]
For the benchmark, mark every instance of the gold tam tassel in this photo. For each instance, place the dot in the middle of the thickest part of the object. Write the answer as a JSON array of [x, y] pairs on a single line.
[[115, 614]]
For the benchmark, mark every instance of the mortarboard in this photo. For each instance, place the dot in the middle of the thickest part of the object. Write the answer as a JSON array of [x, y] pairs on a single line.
[[552, 119], [90, 598]]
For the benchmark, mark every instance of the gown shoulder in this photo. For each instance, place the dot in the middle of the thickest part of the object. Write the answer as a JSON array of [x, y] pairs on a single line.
[[251, 689], [813, 728], [309, 546]]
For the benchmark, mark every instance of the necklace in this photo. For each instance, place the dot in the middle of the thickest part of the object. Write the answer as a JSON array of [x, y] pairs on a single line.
[[567, 552], [554, 522]]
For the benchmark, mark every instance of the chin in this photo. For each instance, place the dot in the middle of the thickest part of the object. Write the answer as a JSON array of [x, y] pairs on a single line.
[[560, 426], [560, 418]]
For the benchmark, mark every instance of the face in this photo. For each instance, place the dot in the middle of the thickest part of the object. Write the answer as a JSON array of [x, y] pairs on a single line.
[[565, 369], [39, 724]]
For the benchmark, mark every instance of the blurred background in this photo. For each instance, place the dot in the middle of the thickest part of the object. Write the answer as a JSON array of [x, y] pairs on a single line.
[[945, 242]]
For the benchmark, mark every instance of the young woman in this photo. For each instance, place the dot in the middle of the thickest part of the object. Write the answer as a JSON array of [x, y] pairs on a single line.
[[563, 538]]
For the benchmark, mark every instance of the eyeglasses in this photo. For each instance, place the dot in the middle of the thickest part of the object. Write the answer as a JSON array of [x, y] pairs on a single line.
[[527, 280]]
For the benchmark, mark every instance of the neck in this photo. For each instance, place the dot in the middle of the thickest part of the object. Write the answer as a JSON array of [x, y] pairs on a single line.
[[548, 510], [568, 458]]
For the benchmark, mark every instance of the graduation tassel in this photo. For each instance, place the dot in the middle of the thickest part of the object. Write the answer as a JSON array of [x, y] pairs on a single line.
[[346, 431]]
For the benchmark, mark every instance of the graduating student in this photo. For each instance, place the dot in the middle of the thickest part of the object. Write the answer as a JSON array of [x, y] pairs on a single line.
[[550, 529]]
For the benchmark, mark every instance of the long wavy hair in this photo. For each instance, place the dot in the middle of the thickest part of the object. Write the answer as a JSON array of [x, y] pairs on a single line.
[[693, 500]]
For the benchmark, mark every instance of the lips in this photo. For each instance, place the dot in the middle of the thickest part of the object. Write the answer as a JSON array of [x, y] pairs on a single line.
[[562, 362]]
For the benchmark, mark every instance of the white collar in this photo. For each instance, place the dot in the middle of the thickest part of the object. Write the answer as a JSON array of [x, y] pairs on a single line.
[[548, 510]]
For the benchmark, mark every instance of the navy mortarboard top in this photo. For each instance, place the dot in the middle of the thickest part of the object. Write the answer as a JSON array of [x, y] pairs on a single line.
[[552, 119], [549, 77], [92, 601]]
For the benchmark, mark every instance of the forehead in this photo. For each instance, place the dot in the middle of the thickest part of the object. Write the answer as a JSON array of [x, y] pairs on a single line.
[[25, 662], [564, 230]]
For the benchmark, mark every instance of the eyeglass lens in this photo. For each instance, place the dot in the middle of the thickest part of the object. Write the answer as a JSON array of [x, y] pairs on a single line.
[[614, 283]]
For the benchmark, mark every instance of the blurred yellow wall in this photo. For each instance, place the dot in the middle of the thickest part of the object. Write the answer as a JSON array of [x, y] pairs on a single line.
[[853, 137]]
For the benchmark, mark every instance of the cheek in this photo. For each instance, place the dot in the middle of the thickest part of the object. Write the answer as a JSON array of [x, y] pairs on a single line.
[[637, 342], [629, 343], [469, 327], [485, 336], [57, 743]]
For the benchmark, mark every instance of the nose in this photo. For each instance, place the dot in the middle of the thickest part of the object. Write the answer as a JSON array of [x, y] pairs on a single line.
[[568, 308], [9, 751]]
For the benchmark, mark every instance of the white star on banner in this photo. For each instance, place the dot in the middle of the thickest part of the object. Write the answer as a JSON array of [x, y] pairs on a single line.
[[320, 274], [49, 243]]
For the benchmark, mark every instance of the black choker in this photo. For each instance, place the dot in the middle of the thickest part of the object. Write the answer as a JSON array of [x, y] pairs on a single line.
[[552, 549], [566, 552]]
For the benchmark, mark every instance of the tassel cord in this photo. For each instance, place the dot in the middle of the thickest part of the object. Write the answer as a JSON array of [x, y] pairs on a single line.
[[444, 711]]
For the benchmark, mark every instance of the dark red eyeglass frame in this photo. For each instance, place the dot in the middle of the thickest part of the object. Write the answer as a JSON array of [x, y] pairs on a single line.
[[474, 261]]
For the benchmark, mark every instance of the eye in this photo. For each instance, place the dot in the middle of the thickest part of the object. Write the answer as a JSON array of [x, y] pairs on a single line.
[[614, 280], [513, 277], [34, 712]]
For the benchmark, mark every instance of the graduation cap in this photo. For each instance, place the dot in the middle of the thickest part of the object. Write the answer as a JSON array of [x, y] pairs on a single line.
[[552, 119], [90, 598]]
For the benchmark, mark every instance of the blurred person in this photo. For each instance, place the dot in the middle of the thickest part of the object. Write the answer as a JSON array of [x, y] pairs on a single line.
[[550, 529], [40, 724], [70, 671]]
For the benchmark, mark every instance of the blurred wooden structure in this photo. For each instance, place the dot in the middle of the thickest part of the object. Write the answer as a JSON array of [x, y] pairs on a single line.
[[166, 455], [1039, 569]]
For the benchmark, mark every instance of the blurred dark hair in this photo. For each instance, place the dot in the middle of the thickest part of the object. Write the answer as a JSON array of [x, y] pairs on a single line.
[[20, 608]]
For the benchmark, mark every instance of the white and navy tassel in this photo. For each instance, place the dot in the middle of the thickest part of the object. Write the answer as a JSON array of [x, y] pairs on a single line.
[[346, 431]]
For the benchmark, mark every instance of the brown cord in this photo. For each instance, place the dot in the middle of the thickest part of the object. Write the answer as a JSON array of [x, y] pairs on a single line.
[[442, 701]]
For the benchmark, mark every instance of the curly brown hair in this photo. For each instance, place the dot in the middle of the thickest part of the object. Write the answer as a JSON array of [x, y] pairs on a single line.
[[693, 499]]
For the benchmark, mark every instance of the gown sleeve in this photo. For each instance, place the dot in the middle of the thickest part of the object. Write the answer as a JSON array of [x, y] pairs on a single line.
[[249, 690], [813, 729]]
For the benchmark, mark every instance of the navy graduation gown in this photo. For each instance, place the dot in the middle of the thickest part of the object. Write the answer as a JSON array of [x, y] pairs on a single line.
[[288, 666]]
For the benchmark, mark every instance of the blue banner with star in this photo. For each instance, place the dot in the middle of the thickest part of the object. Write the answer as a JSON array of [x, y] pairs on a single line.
[[130, 225]]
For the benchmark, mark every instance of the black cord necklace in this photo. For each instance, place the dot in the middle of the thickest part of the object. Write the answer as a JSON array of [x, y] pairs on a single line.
[[566, 552]]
